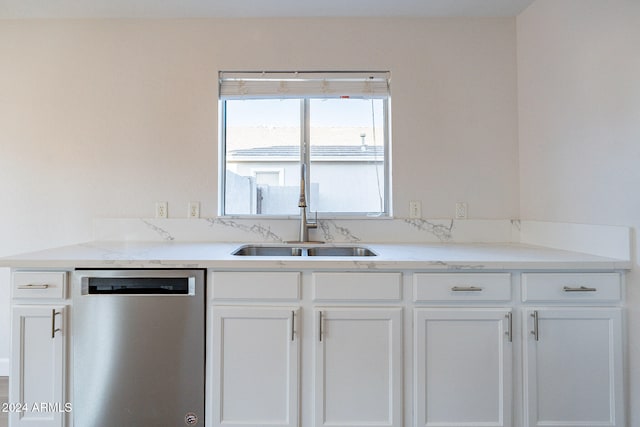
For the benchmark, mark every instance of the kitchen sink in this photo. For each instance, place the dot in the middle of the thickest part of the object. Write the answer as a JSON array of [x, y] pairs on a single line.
[[340, 251], [251, 250], [314, 251]]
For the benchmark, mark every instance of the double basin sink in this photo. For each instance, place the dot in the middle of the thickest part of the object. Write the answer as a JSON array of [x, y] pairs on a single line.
[[295, 251]]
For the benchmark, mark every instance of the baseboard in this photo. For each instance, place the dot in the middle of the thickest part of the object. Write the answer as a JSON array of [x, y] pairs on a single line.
[[4, 367]]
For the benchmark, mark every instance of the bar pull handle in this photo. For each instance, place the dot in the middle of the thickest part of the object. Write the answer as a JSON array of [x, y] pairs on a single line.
[[293, 325], [54, 313], [320, 331], [466, 289], [535, 331], [509, 332], [32, 286], [580, 289]]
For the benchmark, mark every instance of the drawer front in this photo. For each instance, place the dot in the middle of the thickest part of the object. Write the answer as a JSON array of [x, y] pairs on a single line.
[[267, 286], [357, 286], [39, 284], [568, 287], [428, 287]]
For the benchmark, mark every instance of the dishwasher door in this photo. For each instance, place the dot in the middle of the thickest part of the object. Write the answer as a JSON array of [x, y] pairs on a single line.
[[138, 348]]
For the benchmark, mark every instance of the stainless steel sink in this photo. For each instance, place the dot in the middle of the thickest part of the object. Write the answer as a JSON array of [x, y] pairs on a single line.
[[348, 251], [251, 250], [315, 251]]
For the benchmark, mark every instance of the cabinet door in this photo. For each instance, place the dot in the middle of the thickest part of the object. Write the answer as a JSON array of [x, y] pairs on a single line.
[[37, 366], [573, 367], [358, 364], [255, 366], [463, 367]]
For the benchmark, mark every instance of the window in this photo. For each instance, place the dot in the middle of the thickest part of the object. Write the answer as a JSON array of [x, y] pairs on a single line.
[[335, 124]]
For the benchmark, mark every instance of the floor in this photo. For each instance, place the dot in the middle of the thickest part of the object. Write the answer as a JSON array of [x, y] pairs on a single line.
[[4, 397]]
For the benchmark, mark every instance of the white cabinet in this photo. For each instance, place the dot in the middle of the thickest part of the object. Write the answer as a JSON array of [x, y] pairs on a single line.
[[37, 366], [352, 355], [358, 367], [343, 365], [255, 366], [463, 367], [573, 367], [253, 376], [39, 332], [572, 350]]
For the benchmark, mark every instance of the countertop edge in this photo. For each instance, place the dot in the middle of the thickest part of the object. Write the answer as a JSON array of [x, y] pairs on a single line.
[[396, 256]]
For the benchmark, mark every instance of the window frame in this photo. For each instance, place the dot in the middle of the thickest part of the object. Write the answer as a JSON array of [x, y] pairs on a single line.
[[305, 131]]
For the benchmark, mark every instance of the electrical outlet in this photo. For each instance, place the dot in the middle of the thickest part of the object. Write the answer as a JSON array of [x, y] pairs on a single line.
[[162, 210], [415, 209], [461, 210], [194, 210]]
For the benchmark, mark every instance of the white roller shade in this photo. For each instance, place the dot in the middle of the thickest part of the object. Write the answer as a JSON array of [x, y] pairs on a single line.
[[282, 85]]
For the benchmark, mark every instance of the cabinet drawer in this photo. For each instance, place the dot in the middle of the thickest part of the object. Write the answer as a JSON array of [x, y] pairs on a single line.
[[567, 287], [357, 286], [461, 287], [269, 286], [39, 284]]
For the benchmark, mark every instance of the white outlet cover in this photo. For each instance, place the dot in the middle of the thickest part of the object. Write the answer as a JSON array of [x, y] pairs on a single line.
[[415, 209], [162, 209], [461, 210], [194, 210]]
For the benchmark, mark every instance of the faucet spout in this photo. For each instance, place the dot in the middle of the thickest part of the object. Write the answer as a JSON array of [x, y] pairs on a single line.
[[302, 204]]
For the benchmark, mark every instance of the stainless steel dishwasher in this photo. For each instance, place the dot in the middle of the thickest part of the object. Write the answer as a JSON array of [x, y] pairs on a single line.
[[138, 348]]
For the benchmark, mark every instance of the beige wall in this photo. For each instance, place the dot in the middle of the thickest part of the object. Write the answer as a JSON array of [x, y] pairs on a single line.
[[579, 126], [103, 118]]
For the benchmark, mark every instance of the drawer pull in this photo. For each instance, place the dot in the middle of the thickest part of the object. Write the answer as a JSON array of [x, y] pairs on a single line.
[[580, 289], [466, 289], [32, 286]]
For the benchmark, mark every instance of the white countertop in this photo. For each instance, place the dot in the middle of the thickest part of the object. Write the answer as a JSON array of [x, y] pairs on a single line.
[[443, 256]]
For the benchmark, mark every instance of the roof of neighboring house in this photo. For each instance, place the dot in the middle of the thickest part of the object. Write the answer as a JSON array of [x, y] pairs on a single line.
[[293, 151]]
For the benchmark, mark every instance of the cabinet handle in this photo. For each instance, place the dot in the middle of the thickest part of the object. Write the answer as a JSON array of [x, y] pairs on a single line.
[[53, 323], [32, 286], [293, 325], [580, 289], [466, 289], [535, 325], [509, 332], [320, 327]]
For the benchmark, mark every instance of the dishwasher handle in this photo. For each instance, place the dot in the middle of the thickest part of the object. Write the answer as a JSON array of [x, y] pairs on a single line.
[[138, 285]]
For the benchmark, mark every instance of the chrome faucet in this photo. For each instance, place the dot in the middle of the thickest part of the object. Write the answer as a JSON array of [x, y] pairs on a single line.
[[302, 204]]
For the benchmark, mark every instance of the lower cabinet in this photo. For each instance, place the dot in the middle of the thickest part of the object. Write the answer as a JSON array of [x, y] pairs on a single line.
[[255, 378], [463, 367], [573, 367], [36, 389], [343, 365], [358, 367], [255, 366]]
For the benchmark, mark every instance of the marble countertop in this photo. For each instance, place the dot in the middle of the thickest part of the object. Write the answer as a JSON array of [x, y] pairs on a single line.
[[437, 256]]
